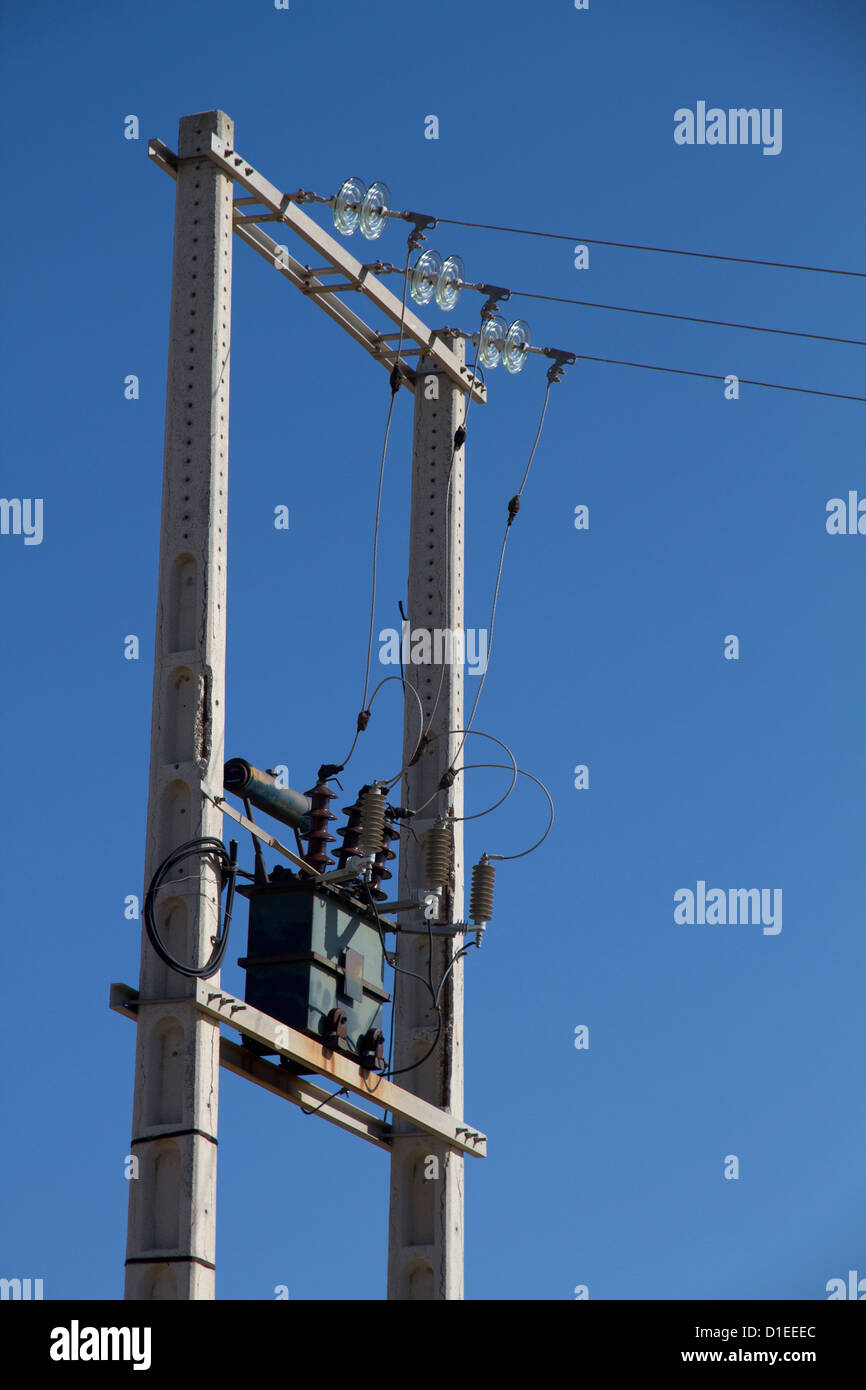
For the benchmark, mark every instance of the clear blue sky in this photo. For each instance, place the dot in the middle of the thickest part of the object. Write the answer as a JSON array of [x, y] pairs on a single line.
[[707, 518]]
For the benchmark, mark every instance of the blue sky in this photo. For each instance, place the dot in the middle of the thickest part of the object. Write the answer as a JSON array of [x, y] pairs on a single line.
[[707, 518]]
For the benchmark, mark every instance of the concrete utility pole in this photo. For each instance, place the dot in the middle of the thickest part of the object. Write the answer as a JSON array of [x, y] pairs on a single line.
[[172, 1201], [425, 1252]]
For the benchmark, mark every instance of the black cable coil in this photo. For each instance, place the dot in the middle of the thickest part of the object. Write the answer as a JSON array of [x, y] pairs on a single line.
[[225, 862]]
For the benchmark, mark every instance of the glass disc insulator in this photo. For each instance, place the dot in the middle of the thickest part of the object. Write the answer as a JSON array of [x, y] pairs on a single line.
[[424, 275], [515, 351], [347, 205], [492, 340], [450, 283], [375, 207]]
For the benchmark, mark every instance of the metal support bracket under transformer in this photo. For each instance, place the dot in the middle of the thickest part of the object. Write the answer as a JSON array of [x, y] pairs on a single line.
[[214, 1003]]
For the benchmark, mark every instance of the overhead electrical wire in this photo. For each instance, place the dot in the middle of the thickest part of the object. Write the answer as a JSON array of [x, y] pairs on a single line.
[[636, 246], [689, 318], [335, 1095], [389, 955], [467, 767], [513, 508], [400, 1071], [460, 435], [457, 443], [719, 323], [389, 781], [395, 386], [458, 955], [434, 994], [686, 318], [393, 1016], [476, 815], [476, 733], [715, 376], [304, 195]]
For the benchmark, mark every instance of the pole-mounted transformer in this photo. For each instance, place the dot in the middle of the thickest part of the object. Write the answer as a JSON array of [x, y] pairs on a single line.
[[315, 958]]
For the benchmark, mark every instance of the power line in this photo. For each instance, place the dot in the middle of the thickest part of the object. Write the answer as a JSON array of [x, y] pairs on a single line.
[[710, 376], [364, 715], [689, 318], [635, 246], [513, 509]]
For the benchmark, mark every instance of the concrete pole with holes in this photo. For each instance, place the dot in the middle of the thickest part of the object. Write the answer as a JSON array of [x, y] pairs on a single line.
[[171, 1235], [425, 1248]]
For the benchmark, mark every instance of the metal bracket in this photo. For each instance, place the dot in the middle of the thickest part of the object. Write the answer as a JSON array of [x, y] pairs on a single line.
[[494, 294], [300, 1090], [273, 843], [287, 211], [439, 929], [561, 360], [354, 865], [298, 1047], [421, 223], [417, 898]]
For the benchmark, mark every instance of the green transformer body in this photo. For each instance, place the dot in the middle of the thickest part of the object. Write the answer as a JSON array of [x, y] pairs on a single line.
[[310, 951]]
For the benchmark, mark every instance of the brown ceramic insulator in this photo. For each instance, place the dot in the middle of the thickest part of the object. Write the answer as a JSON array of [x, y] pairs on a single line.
[[319, 817]]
